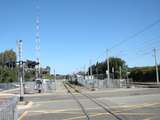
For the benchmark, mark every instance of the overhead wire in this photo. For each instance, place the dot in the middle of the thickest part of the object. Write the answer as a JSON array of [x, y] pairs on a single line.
[[136, 34], [131, 37], [151, 44]]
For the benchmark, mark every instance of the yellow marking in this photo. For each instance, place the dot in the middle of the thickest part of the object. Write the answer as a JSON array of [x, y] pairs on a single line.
[[135, 114], [29, 104], [74, 118], [94, 108], [48, 111], [132, 107], [147, 118], [70, 111], [59, 110], [142, 105], [100, 114], [23, 115], [93, 115], [51, 101], [25, 106]]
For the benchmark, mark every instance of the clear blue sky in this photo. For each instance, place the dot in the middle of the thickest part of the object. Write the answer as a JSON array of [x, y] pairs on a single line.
[[75, 31]]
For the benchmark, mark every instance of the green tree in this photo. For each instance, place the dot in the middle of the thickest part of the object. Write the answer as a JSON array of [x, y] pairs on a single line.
[[143, 74], [8, 68], [116, 63]]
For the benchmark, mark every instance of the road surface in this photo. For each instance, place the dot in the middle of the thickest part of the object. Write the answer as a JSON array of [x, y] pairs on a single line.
[[122, 104]]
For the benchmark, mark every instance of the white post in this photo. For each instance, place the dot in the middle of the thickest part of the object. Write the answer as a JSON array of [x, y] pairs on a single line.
[[91, 68], [84, 82], [55, 79], [113, 72], [120, 72], [108, 74]]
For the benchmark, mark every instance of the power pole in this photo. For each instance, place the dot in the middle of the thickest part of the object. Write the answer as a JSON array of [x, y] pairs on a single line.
[[91, 74], [54, 74], [84, 71], [108, 64], [97, 72], [88, 71], [85, 74], [120, 72], [155, 58], [91, 68], [108, 74], [97, 77], [113, 72], [55, 79]]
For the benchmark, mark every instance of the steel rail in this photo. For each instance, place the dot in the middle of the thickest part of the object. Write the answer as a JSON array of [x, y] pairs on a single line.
[[97, 103], [78, 102]]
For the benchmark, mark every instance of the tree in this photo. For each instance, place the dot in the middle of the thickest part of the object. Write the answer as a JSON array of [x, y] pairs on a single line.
[[143, 74], [8, 68], [9, 58], [116, 63]]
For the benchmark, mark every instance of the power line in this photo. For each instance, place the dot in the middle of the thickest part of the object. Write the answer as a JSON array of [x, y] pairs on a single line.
[[141, 53], [139, 43], [151, 40], [136, 34], [133, 36], [142, 48]]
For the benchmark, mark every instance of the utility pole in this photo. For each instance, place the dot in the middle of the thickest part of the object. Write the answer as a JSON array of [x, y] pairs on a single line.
[[155, 58], [55, 79], [108, 74], [1, 67], [88, 72], [20, 69], [97, 72], [113, 72], [91, 68], [127, 81], [120, 72], [84, 77], [97, 76], [91, 74], [84, 71], [54, 74]]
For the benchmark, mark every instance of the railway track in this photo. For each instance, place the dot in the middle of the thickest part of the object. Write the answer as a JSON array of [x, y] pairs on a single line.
[[78, 102], [72, 89]]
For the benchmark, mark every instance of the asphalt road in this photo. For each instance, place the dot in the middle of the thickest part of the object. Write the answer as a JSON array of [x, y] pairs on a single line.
[[125, 104]]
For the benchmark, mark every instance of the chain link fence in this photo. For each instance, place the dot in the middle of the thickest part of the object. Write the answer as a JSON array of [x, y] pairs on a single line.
[[8, 109], [105, 83], [48, 86], [6, 86]]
